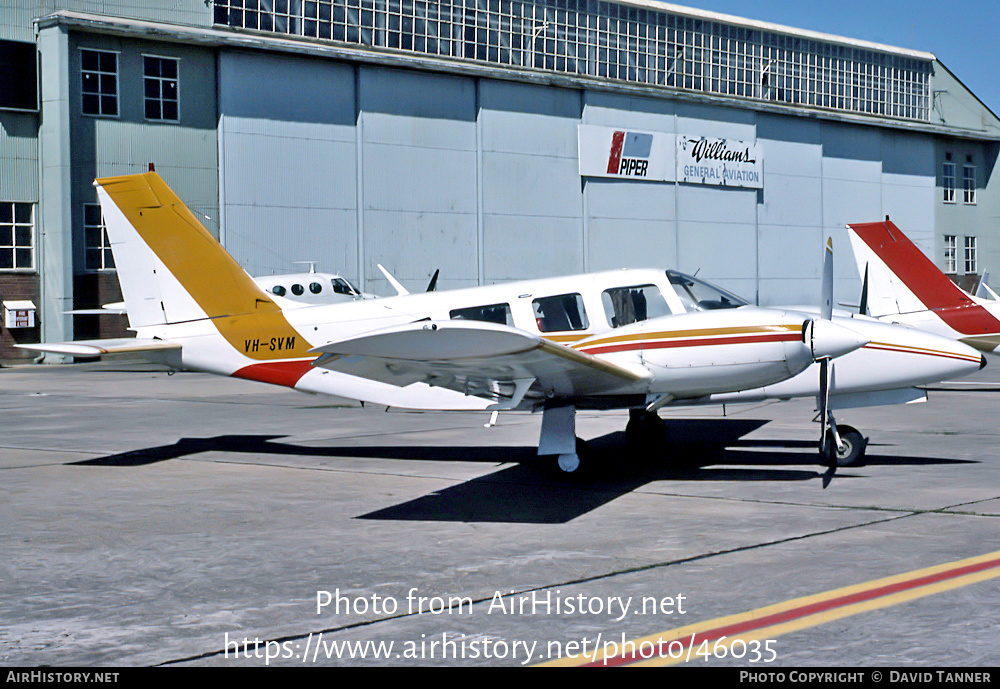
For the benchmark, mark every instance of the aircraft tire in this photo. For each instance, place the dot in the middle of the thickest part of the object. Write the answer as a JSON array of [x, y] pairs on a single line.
[[854, 445], [645, 432]]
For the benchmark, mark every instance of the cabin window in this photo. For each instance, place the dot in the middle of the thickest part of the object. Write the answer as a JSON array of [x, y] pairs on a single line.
[[279, 290], [562, 312], [298, 290], [624, 305], [493, 313], [315, 287]]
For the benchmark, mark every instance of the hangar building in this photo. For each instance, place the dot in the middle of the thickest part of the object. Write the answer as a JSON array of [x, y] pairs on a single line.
[[490, 139]]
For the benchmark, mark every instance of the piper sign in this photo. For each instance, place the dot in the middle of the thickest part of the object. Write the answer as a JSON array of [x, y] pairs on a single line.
[[623, 153]]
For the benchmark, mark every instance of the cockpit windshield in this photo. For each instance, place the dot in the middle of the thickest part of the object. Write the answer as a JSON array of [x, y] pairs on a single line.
[[698, 295], [345, 286]]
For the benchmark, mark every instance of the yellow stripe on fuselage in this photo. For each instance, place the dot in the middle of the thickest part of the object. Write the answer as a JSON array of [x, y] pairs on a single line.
[[699, 332]]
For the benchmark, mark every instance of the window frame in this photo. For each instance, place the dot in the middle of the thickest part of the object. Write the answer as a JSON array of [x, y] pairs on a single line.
[[948, 181], [970, 258], [611, 314], [99, 73], [582, 311], [459, 314], [969, 184], [176, 100], [105, 245], [951, 254], [27, 68], [14, 247]]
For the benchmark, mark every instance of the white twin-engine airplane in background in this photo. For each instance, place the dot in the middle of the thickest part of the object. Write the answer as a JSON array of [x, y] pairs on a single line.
[[311, 287], [904, 286], [635, 339]]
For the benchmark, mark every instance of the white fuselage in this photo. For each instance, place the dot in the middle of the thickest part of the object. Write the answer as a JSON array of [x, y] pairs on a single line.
[[679, 349]]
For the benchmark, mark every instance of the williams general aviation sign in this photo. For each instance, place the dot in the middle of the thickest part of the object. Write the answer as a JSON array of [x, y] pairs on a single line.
[[662, 157]]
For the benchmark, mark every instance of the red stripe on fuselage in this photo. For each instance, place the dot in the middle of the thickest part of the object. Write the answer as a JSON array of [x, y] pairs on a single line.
[[922, 277], [286, 373], [694, 342]]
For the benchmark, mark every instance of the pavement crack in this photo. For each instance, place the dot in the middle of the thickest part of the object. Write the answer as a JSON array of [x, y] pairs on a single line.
[[291, 638]]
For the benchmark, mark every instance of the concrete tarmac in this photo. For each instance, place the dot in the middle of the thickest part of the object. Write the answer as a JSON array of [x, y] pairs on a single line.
[[154, 519]]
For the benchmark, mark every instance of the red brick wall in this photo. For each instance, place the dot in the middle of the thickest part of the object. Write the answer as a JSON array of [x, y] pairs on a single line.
[[91, 291], [15, 286]]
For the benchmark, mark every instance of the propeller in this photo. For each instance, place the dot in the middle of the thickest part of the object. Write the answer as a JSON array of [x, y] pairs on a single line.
[[826, 311], [863, 307], [827, 450]]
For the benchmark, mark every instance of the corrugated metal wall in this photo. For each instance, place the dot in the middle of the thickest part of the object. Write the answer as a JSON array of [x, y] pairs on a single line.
[[418, 176], [354, 165], [18, 156], [287, 163], [185, 152]]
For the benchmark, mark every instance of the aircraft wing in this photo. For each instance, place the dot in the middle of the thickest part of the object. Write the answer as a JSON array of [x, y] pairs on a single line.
[[476, 358]]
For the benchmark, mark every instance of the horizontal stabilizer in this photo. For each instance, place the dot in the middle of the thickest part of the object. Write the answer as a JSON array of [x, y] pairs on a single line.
[[118, 345], [114, 309], [474, 358]]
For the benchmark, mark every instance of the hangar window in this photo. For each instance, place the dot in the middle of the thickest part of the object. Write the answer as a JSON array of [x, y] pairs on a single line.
[[97, 247], [160, 86], [562, 312], [614, 41], [971, 260], [99, 82], [17, 233], [493, 313], [18, 75], [624, 305], [969, 184], [948, 181], [950, 253]]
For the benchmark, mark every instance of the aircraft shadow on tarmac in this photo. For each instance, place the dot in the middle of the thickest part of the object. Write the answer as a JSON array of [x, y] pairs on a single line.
[[528, 490]]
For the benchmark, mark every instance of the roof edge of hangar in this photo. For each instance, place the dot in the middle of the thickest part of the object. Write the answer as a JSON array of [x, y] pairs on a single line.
[[215, 37]]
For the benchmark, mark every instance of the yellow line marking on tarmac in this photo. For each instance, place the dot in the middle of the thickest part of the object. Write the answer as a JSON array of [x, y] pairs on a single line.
[[748, 632]]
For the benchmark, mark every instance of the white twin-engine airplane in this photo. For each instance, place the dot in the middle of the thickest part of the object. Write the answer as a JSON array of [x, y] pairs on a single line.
[[635, 339], [904, 286]]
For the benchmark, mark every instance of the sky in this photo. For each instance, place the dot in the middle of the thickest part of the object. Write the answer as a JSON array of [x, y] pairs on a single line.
[[965, 36]]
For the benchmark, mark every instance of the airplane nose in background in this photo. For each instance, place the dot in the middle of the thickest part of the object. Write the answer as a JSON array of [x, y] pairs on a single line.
[[831, 340], [982, 362]]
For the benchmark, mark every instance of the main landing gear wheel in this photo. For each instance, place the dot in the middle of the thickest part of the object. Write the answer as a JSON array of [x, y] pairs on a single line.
[[852, 450], [645, 431]]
